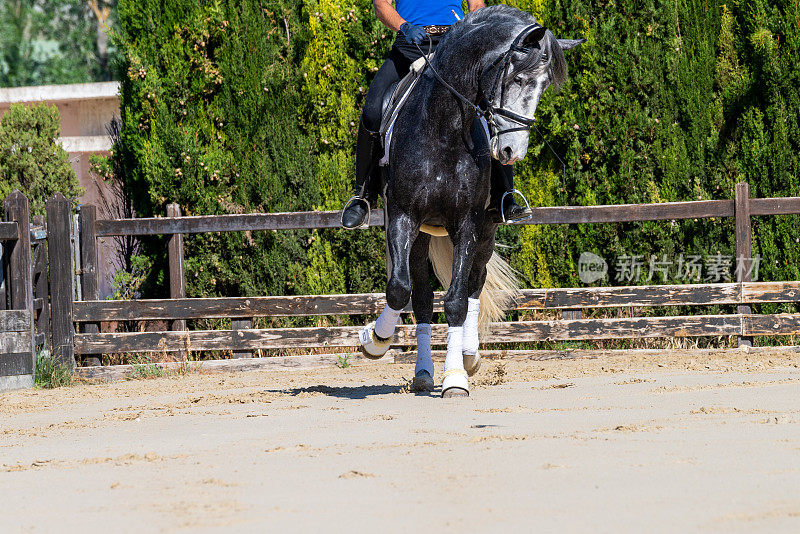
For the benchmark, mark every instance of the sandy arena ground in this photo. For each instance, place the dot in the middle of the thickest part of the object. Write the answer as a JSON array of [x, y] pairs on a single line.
[[681, 443]]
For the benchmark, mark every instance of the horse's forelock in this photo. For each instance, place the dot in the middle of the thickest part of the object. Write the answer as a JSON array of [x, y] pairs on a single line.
[[551, 52]]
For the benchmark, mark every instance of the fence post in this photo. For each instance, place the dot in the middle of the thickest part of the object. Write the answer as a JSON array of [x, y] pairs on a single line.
[[177, 278], [41, 297], [59, 222], [743, 247], [89, 282], [20, 274], [242, 324]]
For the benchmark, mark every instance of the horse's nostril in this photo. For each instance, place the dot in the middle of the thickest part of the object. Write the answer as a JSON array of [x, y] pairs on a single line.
[[507, 152]]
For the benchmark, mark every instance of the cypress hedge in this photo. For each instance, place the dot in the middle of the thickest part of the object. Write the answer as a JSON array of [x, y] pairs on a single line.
[[241, 105]]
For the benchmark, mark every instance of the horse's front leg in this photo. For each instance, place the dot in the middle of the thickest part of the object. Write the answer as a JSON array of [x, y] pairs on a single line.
[[400, 234], [475, 283], [456, 306], [422, 302]]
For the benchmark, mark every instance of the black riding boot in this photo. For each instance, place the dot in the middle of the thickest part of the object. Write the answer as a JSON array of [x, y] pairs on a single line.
[[368, 154], [503, 182]]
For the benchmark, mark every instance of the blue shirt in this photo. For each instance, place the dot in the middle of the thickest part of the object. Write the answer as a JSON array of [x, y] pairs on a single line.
[[429, 12]]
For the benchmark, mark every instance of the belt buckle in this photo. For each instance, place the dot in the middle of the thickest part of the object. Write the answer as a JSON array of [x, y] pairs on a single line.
[[436, 29]]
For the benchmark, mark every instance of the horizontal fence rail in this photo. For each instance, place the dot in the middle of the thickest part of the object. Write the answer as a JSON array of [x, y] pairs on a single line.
[[631, 212], [305, 220], [775, 206], [510, 332], [370, 303], [14, 320], [541, 215]]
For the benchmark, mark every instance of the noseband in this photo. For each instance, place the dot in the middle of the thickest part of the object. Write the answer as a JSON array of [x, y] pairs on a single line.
[[501, 65]]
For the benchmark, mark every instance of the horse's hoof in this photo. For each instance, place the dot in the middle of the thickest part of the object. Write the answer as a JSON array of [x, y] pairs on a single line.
[[455, 384], [422, 382], [372, 346], [472, 363], [454, 392]]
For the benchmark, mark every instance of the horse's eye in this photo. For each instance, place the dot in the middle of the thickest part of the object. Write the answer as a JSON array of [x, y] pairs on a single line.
[[519, 80]]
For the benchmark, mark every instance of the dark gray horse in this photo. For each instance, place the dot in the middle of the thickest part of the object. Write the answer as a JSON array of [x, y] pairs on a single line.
[[495, 63]]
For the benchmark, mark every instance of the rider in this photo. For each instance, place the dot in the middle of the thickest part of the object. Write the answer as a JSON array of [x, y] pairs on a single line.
[[415, 21]]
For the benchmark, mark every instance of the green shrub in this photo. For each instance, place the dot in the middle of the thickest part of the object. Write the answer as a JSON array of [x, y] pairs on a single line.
[[31, 159], [210, 108]]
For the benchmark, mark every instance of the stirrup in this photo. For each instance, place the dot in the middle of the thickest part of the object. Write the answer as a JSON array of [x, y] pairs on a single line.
[[503, 211], [365, 224]]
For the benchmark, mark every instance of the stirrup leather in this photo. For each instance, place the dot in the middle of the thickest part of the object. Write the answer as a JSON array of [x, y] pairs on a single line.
[[356, 198], [502, 203]]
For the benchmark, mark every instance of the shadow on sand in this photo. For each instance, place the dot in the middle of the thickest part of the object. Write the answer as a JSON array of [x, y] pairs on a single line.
[[351, 392]]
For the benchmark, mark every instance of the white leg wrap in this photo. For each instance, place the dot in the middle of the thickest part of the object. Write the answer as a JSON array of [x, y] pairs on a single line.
[[455, 340], [472, 360], [371, 346], [424, 360], [386, 323], [471, 327], [454, 374], [455, 378]]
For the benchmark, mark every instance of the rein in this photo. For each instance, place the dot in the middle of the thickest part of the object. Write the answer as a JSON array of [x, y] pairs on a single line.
[[491, 110]]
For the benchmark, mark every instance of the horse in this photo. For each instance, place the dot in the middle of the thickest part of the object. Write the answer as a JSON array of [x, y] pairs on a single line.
[[493, 64]]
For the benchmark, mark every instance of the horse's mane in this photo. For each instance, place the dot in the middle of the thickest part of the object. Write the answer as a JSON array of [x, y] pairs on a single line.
[[506, 20]]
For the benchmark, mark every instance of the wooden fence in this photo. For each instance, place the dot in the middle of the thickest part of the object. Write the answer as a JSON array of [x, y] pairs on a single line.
[[38, 307], [17, 339], [75, 327]]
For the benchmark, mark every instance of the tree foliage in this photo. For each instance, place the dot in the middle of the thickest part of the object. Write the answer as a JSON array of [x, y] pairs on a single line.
[[31, 159], [54, 41], [211, 106]]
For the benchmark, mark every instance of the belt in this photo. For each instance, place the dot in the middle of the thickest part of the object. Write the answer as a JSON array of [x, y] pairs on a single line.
[[436, 30]]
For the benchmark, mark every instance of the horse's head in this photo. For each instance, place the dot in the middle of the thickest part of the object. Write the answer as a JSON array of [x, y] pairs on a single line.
[[514, 83]]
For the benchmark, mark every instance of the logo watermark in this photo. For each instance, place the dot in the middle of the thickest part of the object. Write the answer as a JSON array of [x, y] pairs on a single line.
[[688, 268], [591, 267]]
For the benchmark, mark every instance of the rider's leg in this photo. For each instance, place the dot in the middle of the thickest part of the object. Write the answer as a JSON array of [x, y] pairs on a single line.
[[368, 152], [368, 142], [502, 182]]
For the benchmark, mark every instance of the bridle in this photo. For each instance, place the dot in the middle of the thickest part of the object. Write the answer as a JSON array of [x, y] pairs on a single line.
[[501, 66], [491, 110], [526, 123]]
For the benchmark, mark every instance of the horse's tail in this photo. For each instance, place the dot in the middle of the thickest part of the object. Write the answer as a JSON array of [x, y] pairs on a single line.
[[499, 291]]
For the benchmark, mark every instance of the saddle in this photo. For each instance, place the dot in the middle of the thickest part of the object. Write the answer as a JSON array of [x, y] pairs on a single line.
[[393, 100], [396, 95]]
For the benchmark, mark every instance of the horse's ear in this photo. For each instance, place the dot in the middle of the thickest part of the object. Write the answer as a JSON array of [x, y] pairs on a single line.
[[567, 44], [534, 36]]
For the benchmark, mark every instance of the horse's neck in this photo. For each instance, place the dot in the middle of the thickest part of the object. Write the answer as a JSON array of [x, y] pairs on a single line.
[[440, 102], [447, 109]]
